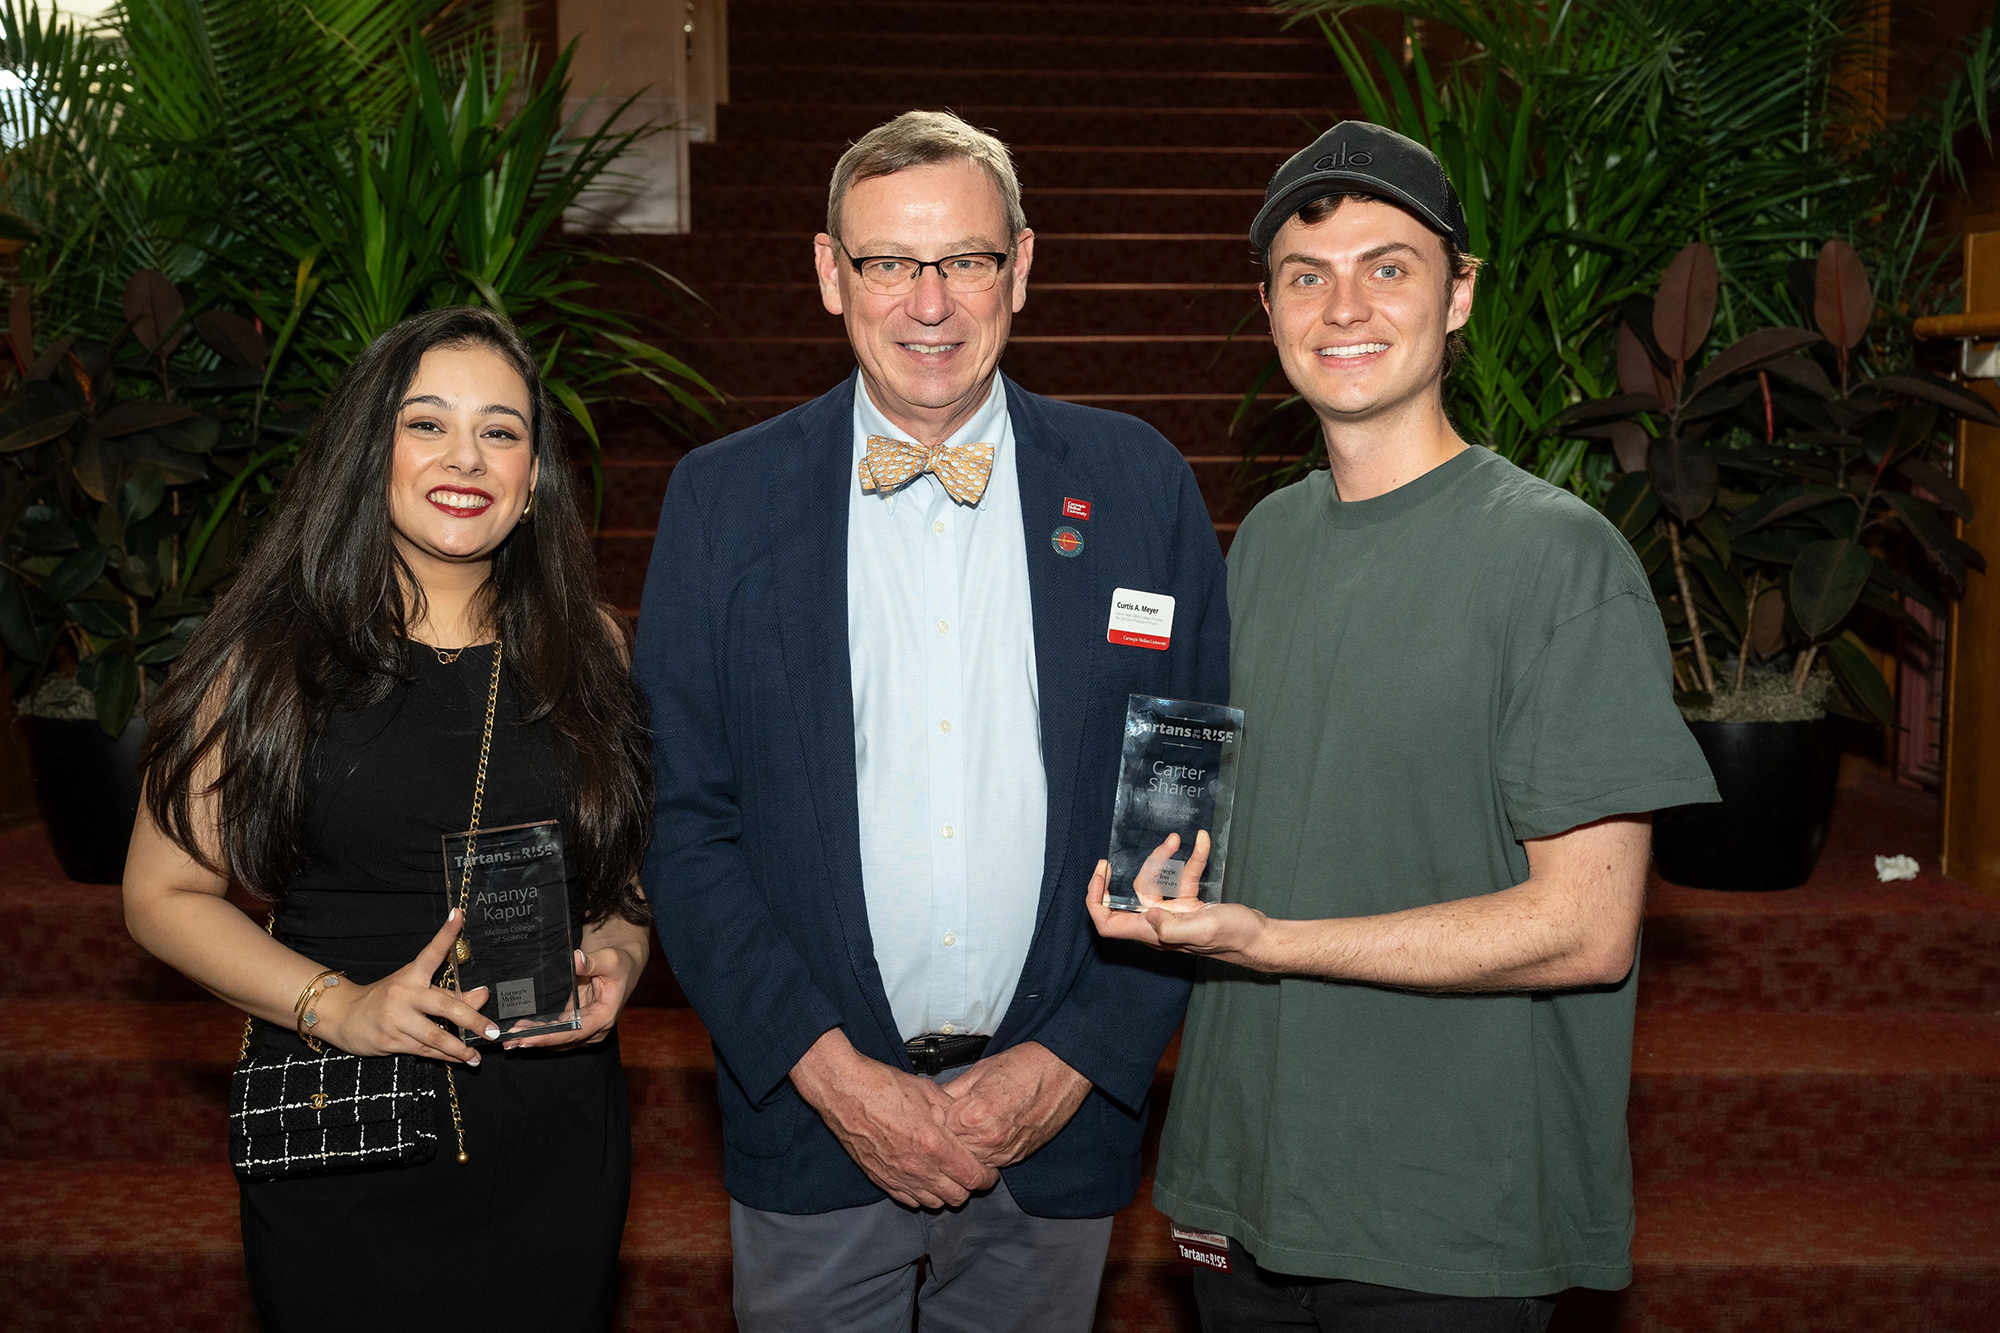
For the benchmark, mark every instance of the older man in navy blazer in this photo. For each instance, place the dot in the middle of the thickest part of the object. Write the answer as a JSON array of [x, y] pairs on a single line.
[[888, 713]]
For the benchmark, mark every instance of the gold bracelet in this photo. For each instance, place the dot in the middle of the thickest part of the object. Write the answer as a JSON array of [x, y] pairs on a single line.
[[305, 1008]]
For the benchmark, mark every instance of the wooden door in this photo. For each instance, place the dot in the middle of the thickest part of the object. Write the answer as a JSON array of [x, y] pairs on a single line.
[[1972, 717]]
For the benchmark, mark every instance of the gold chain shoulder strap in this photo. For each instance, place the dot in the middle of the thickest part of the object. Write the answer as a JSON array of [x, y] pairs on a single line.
[[243, 1051], [461, 952]]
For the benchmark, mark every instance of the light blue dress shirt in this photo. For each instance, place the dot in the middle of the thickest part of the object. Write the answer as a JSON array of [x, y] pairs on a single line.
[[947, 731]]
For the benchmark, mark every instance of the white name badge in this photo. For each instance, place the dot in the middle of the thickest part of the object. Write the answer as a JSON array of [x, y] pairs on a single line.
[[1141, 619]]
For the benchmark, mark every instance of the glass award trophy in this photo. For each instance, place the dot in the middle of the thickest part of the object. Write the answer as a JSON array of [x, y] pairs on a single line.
[[1178, 776], [516, 938]]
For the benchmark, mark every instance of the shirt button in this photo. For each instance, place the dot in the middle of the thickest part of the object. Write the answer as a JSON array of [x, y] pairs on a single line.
[[948, 832], [945, 725], [949, 939], [937, 525], [943, 628], [947, 1029]]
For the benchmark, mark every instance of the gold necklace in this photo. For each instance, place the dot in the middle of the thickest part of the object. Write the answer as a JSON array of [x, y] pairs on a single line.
[[446, 656]]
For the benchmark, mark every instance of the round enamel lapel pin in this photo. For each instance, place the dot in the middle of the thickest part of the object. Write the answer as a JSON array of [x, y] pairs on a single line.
[[1066, 540]]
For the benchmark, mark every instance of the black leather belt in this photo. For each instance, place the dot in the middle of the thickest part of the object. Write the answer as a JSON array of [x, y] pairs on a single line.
[[933, 1053]]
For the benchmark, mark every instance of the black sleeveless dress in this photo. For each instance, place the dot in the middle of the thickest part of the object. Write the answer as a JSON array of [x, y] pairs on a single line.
[[524, 1235]]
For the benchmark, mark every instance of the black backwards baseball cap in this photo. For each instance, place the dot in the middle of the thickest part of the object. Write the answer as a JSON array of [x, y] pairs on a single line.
[[1368, 159]]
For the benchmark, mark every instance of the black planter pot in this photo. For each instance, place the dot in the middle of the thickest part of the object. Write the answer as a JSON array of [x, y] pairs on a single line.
[[1777, 781], [87, 789]]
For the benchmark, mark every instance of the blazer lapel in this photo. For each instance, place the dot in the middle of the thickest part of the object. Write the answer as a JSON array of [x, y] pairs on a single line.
[[1063, 588], [808, 506]]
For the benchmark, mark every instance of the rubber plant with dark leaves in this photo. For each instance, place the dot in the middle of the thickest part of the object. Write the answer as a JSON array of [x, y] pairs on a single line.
[[122, 493], [1778, 496]]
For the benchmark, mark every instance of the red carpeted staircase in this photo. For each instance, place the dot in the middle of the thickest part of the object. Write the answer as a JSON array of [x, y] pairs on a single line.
[[1815, 1120], [1816, 1087], [1144, 135]]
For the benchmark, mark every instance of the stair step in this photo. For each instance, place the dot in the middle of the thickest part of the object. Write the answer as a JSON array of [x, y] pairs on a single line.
[[1198, 423], [779, 295], [1191, 18], [801, 210], [1815, 1096], [136, 1248], [58, 938], [702, 259], [1736, 1097], [149, 1082], [1170, 366], [91, 1248], [61, 938], [633, 491], [1843, 943], [1071, 166], [94, 1247], [1054, 309], [1816, 1257], [1167, 363], [935, 49], [752, 85], [1021, 126]]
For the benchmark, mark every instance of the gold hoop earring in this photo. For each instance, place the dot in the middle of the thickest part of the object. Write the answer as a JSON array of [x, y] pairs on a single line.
[[528, 509]]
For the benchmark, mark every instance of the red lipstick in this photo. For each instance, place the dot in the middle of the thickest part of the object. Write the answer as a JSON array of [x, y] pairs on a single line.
[[484, 500]]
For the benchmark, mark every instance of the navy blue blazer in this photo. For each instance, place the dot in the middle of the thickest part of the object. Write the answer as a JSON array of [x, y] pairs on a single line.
[[755, 868]]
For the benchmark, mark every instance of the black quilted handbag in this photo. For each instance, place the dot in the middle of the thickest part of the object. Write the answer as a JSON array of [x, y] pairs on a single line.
[[312, 1114]]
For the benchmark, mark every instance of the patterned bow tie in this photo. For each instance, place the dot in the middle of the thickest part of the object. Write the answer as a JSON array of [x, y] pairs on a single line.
[[962, 469]]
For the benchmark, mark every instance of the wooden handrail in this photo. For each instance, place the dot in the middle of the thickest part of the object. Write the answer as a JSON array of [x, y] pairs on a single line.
[[1976, 324]]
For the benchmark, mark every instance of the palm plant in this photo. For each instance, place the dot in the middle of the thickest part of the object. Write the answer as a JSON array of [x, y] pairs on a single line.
[[288, 179], [1590, 139], [1555, 243], [140, 144], [457, 201]]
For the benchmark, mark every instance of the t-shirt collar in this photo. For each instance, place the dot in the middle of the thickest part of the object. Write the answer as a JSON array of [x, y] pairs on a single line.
[[1366, 513]]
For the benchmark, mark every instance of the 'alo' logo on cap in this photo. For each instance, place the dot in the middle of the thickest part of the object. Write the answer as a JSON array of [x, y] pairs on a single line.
[[1343, 159]]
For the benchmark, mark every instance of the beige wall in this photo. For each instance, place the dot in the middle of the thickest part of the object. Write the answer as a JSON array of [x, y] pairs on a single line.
[[671, 56]]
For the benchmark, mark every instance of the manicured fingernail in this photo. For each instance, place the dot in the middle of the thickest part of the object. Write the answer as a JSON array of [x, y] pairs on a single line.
[[474, 1060], [452, 915], [492, 1033]]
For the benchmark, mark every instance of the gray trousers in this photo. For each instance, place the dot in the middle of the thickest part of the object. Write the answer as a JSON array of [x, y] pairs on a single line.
[[993, 1268]]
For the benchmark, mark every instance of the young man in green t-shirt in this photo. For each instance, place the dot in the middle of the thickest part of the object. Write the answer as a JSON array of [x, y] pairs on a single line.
[[1401, 1091]]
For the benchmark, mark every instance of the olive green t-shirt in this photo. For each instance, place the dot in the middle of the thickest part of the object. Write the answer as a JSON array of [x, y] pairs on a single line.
[[1427, 678]]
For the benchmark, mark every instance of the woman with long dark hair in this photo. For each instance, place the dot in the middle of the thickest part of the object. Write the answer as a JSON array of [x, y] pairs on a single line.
[[413, 649]]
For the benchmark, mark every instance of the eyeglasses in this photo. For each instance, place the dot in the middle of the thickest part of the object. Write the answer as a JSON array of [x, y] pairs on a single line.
[[893, 275]]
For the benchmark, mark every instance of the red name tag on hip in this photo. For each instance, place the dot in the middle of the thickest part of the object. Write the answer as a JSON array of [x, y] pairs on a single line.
[[1209, 1248]]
